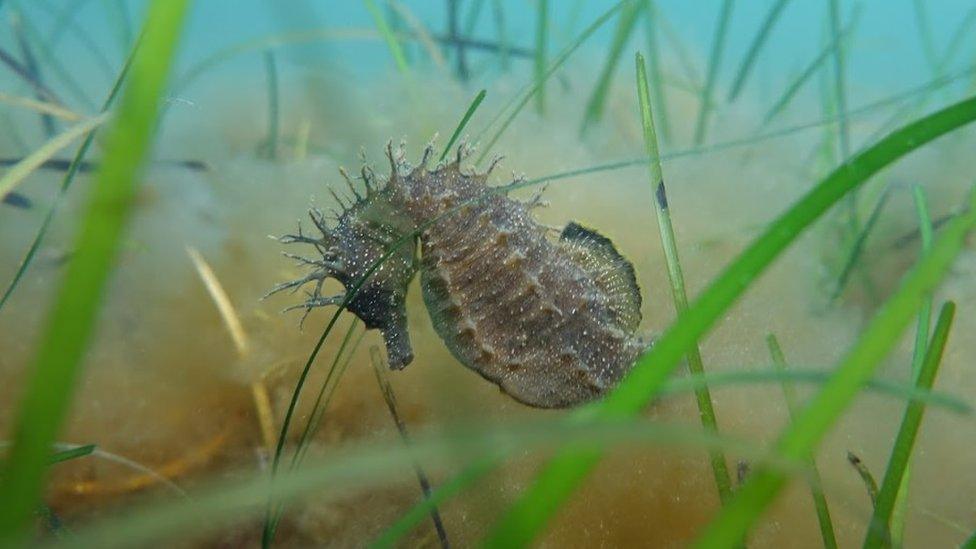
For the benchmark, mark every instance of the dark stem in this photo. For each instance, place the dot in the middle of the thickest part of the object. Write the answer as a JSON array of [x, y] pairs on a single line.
[[30, 64], [25, 74], [483, 45], [388, 396], [88, 166], [453, 15]]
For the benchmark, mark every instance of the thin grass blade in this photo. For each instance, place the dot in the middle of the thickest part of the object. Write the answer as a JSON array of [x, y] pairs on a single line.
[[72, 320], [69, 177], [389, 397], [925, 231], [40, 106], [816, 486], [71, 453], [825, 408], [714, 64], [541, 41], [797, 84], [755, 47], [30, 63], [857, 248], [559, 478], [910, 423], [274, 105], [475, 103], [658, 97], [501, 29], [625, 27], [32, 162], [867, 477], [676, 277], [520, 99], [396, 50]]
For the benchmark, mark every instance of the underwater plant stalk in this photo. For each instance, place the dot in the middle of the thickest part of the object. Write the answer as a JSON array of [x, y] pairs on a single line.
[[274, 510], [28, 165], [73, 169], [541, 40], [396, 50], [660, 100], [703, 396], [64, 20], [902, 450], [558, 479], [519, 100], [379, 368], [30, 63], [925, 34], [840, 99], [72, 453], [816, 481], [625, 27], [501, 29], [475, 103], [232, 321], [883, 332], [473, 473], [73, 315], [70, 83], [42, 91], [791, 90], [40, 106], [857, 247], [867, 478], [918, 359], [118, 18], [453, 16], [755, 47], [714, 62], [271, 69]]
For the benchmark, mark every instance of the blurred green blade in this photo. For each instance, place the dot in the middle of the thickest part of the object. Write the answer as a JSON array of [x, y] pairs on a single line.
[[825, 408], [66, 182], [598, 98], [541, 41], [20, 171], [396, 51], [73, 316], [714, 63], [519, 100], [529, 515], [755, 47], [375, 464], [72, 453]]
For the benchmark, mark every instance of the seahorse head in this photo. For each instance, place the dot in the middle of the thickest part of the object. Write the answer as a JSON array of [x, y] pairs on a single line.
[[370, 249]]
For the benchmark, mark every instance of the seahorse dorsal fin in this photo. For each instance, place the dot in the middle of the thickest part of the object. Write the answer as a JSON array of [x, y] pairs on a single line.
[[613, 273]]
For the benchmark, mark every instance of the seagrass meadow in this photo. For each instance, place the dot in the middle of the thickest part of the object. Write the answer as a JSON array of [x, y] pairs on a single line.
[[649, 273]]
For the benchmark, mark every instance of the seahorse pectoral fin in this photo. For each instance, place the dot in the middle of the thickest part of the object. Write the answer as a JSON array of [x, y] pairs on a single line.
[[612, 272]]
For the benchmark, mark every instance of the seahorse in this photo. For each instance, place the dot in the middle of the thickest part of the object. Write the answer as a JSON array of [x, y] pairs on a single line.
[[551, 320]]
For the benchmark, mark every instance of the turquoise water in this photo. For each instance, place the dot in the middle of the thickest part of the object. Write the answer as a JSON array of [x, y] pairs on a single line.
[[888, 50]]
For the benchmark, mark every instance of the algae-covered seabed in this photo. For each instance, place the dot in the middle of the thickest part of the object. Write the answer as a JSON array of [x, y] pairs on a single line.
[[165, 386]]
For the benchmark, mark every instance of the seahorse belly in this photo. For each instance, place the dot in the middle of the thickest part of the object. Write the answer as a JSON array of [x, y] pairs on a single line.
[[515, 307]]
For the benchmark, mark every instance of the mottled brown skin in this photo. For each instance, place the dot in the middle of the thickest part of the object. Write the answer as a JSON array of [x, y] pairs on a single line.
[[552, 321]]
